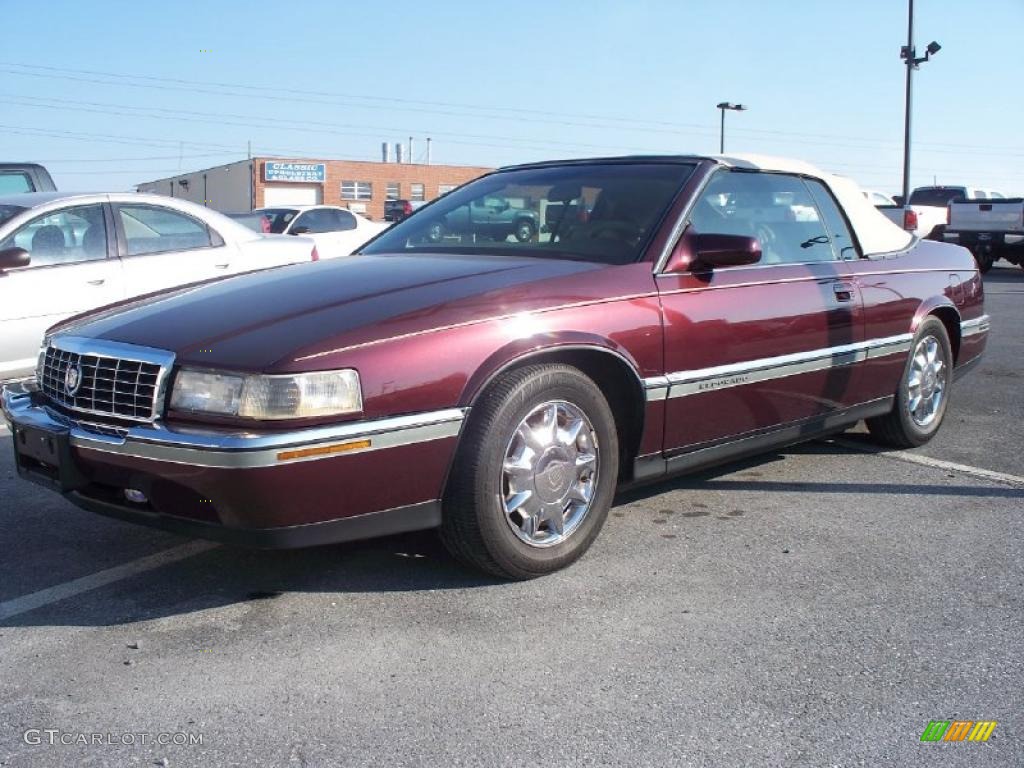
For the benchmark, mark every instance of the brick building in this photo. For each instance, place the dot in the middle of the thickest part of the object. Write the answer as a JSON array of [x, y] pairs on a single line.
[[360, 186]]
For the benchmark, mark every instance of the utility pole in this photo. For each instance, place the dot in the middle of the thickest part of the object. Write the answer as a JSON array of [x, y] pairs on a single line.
[[909, 55]]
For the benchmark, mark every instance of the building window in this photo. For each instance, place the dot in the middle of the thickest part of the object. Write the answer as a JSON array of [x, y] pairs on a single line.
[[356, 190], [394, 191], [416, 192], [444, 189]]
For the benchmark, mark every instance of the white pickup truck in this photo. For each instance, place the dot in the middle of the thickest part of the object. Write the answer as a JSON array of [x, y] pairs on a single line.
[[926, 213], [992, 229]]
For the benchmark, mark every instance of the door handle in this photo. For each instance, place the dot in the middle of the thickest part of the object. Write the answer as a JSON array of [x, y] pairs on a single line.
[[225, 265], [99, 281], [843, 291]]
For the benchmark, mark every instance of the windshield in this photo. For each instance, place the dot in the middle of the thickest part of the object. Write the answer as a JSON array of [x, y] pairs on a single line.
[[8, 212], [279, 218], [937, 196], [595, 212]]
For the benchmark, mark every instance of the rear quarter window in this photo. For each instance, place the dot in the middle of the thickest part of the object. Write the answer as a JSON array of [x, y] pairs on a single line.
[[12, 183]]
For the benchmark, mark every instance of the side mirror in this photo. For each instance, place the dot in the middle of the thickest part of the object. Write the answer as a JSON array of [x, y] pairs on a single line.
[[12, 258], [713, 250]]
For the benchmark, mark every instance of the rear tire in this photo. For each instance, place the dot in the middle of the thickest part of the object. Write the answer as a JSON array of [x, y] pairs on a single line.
[[984, 261], [520, 507], [923, 394]]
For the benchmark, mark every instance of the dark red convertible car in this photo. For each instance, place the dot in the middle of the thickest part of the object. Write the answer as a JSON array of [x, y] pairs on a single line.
[[669, 313]]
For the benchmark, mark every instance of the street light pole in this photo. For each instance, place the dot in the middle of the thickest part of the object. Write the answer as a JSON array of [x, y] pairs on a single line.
[[724, 105], [908, 100], [909, 55]]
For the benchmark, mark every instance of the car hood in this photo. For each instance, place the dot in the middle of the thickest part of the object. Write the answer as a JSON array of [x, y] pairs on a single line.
[[263, 320]]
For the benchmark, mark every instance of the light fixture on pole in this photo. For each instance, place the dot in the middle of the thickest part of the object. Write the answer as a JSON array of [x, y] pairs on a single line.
[[721, 134], [912, 61]]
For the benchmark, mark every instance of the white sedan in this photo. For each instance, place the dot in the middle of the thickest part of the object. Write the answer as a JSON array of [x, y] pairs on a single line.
[[63, 253], [336, 231]]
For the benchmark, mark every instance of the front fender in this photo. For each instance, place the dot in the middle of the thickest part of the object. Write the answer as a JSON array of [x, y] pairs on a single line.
[[521, 350]]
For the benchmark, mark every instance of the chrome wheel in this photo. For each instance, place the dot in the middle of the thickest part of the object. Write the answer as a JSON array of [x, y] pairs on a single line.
[[549, 473], [926, 381]]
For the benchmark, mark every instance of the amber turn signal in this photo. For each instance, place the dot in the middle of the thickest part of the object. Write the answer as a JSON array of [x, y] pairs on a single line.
[[323, 450]]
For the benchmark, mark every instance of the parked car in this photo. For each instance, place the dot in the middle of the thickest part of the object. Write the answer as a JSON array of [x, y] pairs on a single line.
[[396, 210], [493, 217], [992, 230], [336, 231], [502, 390], [927, 208], [257, 222], [63, 253], [16, 178]]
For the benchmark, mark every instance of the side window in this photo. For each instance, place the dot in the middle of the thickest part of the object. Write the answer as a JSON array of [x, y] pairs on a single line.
[[842, 239], [63, 237], [775, 208], [151, 229], [346, 221], [317, 220], [14, 183]]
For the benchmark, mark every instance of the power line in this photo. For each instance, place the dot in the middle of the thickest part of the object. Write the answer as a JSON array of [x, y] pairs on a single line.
[[502, 113]]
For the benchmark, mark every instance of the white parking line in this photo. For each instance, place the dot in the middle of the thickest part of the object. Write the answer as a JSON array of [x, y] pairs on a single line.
[[68, 589], [927, 461]]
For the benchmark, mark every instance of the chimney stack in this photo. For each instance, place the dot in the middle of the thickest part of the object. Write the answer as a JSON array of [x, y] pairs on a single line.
[[385, 152], [428, 150], [399, 152], [410, 150]]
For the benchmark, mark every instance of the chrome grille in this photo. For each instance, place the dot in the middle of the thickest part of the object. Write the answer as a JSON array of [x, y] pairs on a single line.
[[113, 386]]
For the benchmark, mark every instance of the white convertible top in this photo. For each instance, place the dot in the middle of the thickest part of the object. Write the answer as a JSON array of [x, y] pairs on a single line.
[[874, 231]]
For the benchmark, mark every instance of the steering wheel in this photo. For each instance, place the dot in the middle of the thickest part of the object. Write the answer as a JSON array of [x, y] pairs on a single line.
[[618, 230]]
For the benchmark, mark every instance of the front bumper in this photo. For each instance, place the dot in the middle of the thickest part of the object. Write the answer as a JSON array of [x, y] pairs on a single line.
[[263, 489]]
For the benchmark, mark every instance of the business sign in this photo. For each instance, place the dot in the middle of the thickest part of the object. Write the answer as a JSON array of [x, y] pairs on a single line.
[[301, 172]]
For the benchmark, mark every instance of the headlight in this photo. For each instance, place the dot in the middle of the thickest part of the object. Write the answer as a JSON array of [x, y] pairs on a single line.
[[294, 396]]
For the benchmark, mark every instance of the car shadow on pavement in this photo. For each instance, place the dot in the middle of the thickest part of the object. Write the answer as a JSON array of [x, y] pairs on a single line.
[[228, 577], [742, 476]]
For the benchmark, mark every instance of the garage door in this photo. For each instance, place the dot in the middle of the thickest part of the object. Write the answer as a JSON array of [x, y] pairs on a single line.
[[297, 194]]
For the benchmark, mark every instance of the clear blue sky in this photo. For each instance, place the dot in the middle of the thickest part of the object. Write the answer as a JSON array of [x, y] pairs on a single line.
[[112, 93]]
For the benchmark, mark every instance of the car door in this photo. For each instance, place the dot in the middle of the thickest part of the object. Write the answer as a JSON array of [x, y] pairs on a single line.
[[351, 232], [320, 225], [163, 247], [71, 269], [751, 349]]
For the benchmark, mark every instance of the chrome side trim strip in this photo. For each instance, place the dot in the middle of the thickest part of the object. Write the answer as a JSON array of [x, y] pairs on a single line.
[[977, 325], [250, 451], [683, 383], [238, 450], [656, 388]]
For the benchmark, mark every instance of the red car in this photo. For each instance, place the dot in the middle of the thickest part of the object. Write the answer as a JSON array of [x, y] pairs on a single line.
[[705, 309]]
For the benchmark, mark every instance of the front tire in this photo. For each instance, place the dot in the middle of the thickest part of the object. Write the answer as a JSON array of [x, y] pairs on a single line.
[[525, 231], [534, 475], [923, 394]]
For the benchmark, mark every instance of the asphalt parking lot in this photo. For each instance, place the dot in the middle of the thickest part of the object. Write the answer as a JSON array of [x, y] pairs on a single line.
[[817, 606]]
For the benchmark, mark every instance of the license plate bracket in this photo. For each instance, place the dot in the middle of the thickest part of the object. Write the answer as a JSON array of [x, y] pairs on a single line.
[[44, 456]]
